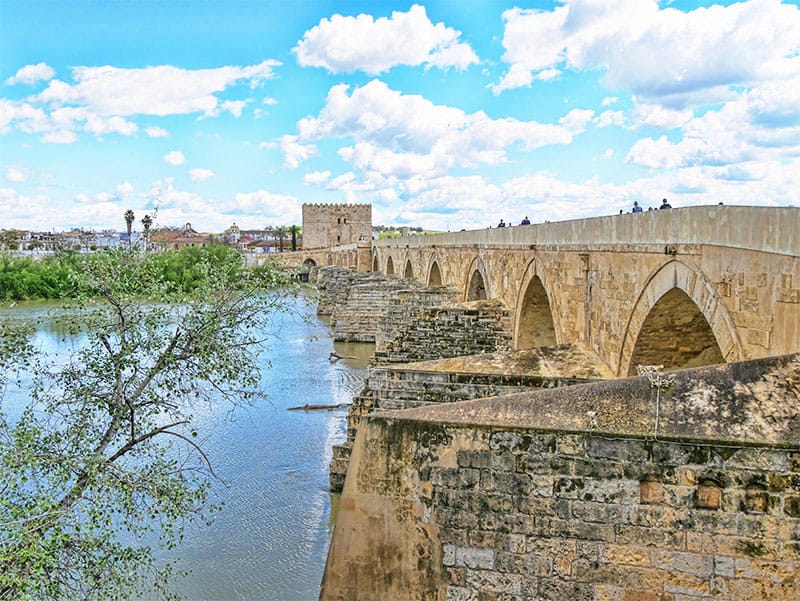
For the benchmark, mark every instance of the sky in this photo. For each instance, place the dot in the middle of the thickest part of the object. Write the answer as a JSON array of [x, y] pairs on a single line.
[[444, 115]]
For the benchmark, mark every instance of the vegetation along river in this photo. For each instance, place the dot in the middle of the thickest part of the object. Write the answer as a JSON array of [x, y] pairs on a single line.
[[269, 541]]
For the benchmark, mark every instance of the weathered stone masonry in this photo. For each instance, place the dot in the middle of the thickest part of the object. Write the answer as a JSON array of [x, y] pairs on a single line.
[[615, 491]]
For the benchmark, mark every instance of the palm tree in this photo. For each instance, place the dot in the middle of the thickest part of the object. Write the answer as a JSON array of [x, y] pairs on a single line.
[[129, 222], [280, 234], [147, 221]]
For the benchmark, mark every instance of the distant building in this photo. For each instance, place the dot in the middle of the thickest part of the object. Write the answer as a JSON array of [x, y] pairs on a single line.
[[175, 238], [329, 225], [232, 235]]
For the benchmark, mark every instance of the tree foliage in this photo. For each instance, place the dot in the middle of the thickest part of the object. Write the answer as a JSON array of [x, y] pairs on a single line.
[[105, 450], [58, 276]]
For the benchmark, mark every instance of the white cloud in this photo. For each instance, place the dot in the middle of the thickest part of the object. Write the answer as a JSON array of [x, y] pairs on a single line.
[[124, 190], [654, 115], [161, 90], [234, 107], [609, 100], [101, 98], [156, 132], [607, 118], [576, 120], [346, 44], [174, 158], [31, 74], [762, 125], [316, 178], [294, 152], [654, 52], [199, 175], [401, 135], [100, 125], [16, 174], [269, 101], [61, 136], [271, 208]]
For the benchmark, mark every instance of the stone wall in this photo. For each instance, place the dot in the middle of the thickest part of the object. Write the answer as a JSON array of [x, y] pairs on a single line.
[[356, 318], [404, 386], [427, 324], [681, 489], [330, 225]]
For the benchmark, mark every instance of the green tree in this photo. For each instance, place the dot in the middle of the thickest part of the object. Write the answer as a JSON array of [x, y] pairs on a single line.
[[129, 217], [147, 223], [280, 233], [10, 239], [105, 450]]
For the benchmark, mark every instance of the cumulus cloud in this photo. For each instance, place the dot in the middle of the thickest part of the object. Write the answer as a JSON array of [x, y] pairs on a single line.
[[316, 178], [741, 131], [654, 52], [294, 152], [60, 136], [124, 190], [346, 44], [31, 74], [156, 132], [101, 99], [401, 135], [174, 158], [279, 208], [234, 107], [199, 175], [160, 90]]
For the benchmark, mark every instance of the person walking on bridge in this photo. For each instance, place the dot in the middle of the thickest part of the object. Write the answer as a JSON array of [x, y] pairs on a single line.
[[636, 208]]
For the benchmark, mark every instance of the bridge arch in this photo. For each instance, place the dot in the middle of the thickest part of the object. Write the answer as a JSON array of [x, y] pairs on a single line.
[[309, 262], [389, 266], [679, 303], [408, 272], [534, 318], [477, 282], [435, 278]]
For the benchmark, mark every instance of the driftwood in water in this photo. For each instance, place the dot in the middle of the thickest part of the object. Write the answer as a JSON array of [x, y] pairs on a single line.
[[334, 356], [308, 407]]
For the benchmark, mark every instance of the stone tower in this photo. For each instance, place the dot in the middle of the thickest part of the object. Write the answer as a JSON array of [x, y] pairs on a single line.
[[329, 225]]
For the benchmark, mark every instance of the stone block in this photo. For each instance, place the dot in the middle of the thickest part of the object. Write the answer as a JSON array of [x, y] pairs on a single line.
[[709, 497], [651, 492], [570, 444], [650, 537], [625, 555], [474, 557], [699, 565], [724, 566]]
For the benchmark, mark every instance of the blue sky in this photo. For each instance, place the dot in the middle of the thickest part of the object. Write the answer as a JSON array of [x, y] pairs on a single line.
[[444, 115]]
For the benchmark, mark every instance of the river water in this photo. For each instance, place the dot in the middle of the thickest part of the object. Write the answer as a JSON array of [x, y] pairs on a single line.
[[270, 540]]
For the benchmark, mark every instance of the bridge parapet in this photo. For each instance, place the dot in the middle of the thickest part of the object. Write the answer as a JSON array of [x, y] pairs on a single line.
[[765, 229]]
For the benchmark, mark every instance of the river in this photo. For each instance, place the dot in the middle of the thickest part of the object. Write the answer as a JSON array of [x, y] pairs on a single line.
[[270, 540]]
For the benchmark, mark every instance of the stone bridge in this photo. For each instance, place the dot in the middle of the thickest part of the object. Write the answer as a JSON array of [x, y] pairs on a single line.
[[680, 288]]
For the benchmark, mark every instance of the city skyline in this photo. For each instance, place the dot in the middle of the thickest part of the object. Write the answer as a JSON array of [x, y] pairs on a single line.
[[442, 115]]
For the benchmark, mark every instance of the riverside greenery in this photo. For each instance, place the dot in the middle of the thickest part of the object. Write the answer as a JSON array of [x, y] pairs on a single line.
[[55, 276], [104, 450]]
